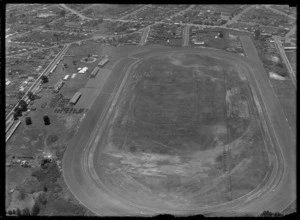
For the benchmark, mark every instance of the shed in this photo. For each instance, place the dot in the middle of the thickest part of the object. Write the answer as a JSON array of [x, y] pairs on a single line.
[[75, 98], [66, 77]]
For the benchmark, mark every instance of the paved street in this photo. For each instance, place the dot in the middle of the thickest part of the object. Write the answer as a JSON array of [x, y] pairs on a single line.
[[186, 35], [285, 60], [145, 35], [75, 12]]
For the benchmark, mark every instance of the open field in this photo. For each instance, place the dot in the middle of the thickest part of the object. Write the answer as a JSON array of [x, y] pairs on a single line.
[[287, 96], [153, 121], [37, 140], [216, 38], [291, 55], [116, 175], [110, 11], [92, 89]]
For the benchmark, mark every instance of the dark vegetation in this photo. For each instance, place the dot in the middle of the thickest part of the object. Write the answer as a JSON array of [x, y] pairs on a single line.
[[46, 120]]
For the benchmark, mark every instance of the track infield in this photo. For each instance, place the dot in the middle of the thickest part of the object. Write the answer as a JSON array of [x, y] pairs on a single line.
[[184, 136]]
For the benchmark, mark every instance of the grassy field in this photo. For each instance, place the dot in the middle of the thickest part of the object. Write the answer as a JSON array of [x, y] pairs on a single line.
[[286, 94], [110, 11], [38, 139], [186, 129], [230, 40], [291, 55]]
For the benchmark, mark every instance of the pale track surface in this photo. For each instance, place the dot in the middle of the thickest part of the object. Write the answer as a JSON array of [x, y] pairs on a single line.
[[276, 192]]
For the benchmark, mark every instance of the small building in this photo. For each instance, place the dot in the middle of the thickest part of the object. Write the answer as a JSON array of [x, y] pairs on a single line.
[[199, 42], [73, 75], [58, 86], [66, 77], [75, 98], [225, 16], [95, 71], [290, 48], [45, 15], [103, 62]]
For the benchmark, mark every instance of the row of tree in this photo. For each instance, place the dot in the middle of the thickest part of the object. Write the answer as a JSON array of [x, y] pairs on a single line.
[[35, 210], [23, 106], [46, 119]]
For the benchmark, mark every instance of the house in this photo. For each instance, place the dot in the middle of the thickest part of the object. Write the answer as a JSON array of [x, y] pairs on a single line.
[[45, 15], [225, 16], [199, 42]]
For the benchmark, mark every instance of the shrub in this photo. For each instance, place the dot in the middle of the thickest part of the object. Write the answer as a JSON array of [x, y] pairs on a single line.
[[22, 194], [44, 79], [46, 120], [28, 121], [270, 214], [18, 212], [35, 209], [16, 116], [26, 212]]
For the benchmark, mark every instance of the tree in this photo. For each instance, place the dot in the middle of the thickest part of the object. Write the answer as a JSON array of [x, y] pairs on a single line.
[[44, 79], [41, 199], [62, 13], [257, 34], [45, 189], [89, 55], [26, 212], [270, 214], [46, 120], [100, 20], [23, 105], [221, 35], [47, 26], [35, 209], [28, 121], [56, 36], [16, 116], [9, 212], [22, 194], [30, 95], [20, 94], [18, 111], [74, 62], [18, 212]]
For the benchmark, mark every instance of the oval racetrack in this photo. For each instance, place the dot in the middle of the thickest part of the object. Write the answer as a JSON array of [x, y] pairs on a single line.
[[275, 192]]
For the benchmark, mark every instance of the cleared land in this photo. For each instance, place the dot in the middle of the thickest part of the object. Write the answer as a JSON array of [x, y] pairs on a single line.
[[185, 131], [110, 180], [291, 55]]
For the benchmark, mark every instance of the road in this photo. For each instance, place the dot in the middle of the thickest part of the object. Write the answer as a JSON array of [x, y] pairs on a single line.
[[288, 35], [284, 193], [279, 12], [37, 82], [237, 17], [275, 194], [32, 51], [181, 12], [145, 35], [186, 35], [285, 60], [87, 192], [134, 12], [75, 12]]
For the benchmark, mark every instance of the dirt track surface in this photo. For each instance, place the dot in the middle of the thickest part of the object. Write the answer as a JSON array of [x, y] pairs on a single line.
[[275, 193]]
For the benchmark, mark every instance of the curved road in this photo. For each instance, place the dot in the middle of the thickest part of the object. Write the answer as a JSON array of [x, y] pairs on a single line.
[[274, 194]]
